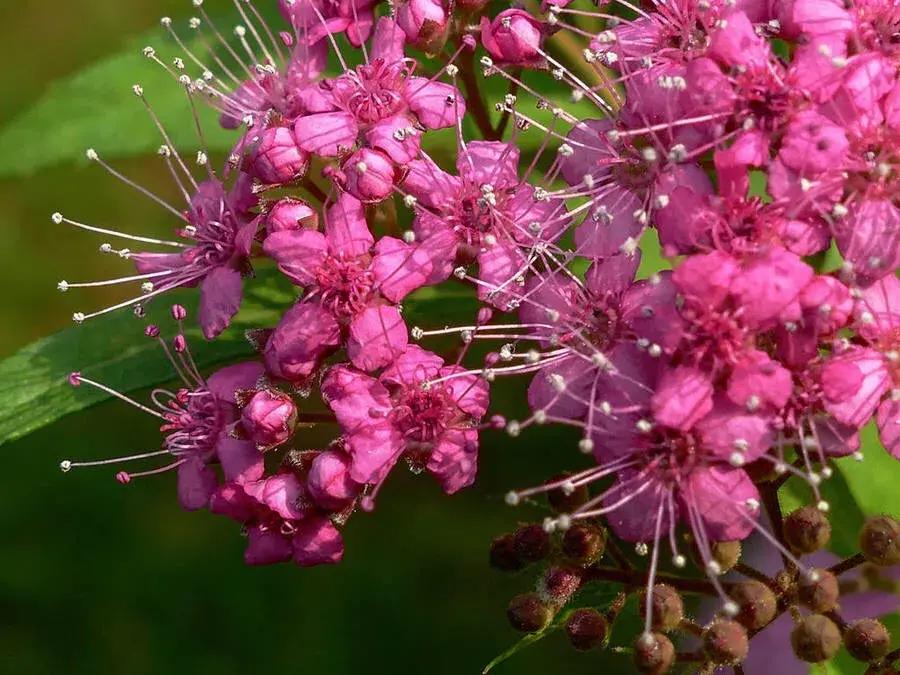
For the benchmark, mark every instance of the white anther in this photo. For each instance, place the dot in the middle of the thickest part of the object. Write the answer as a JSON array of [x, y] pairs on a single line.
[[540, 417], [661, 201], [737, 459], [512, 498], [362, 167], [57, 218], [644, 426], [417, 333], [460, 272], [823, 506], [649, 154], [629, 246], [566, 150], [654, 350], [513, 428], [65, 466], [147, 287], [557, 382], [138, 90], [564, 522], [641, 549], [78, 317], [409, 236], [714, 568], [452, 70], [730, 608], [91, 154], [679, 561], [62, 286], [586, 445], [605, 407], [752, 504], [839, 211], [549, 525]]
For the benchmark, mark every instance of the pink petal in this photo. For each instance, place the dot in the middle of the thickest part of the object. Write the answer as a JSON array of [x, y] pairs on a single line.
[[454, 459], [306, 334], [889, 426], [734, 435], [387, 43], [346, 227], [489, 163], [635, 520], [298, 253], [241, 461], [266, 547], [756, 379], [414, 366], [431, 185], [854, 382], [196, 484], [220, 299], [383, 136], [378, 335], [227, 381], [720, 496], [326, 134], [469, 392], [317, 542], [437, 104], [400, 268], [683, 396]]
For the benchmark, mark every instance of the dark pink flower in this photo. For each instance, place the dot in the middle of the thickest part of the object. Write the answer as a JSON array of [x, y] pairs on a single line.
[[350, 286], [281, 525], [425, 23], [380, 104], [329, 481], [485, 213], [291, 214], [417, 408], [275, 158], [268, 418]]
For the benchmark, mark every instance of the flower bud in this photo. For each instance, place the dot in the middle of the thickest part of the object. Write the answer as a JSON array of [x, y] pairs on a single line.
[[815, 638], [820, 595], [666, 608], [725, 642], [867, 640], [425, 24], [526, 613], [276, 159], [654, 654], [726, 554], [879, 541], [756, 602], [566, 500], [558, 585], [807, 530], [369, 175], [329, 481], [514, 36], [290, 214], [269, 418], [532, 543], [586, 628], [503, 555], [584, 543]]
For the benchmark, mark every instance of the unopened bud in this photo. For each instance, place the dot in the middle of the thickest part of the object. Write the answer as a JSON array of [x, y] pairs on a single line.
[[726, 554], [819, 591], [815, 638], [587, 628], [807, 530], [879, 541], [566, 498], [725, 642], [654, 654], [269, 418], [666, 607], [584, 543], [532, 543], [559, 584], [867, 640], [526, 613], [503, 555], [756, 603]]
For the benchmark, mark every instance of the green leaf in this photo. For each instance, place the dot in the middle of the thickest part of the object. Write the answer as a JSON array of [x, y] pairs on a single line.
[[97, 108], [34, 390], [873, 481], [526, 641]]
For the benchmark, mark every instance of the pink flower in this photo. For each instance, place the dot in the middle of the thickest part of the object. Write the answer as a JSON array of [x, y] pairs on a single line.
[[318, 18], [379, 104], [291, 214], [424, 22], [329, 481], [485, 213], [350, 286], [275, 158], [221, 231], [418, 408], [280, 524], [513, 36]]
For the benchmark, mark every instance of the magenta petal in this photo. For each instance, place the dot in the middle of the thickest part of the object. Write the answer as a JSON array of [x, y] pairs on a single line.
[[329, 481], [299, 253], [266, 547], [854, 382], [241, 460], [220, 299], [378, 335], [454, 459], [306, 334], [397, 137], [889, 426], [148, 263], [346, 228], [563, 388], [757, 379], [196, 484], [489, 163], [882, 302], [282, 493], [436, 104], [609, 225], [635, 519], [317, 541], [326, 134], [614, 274], [414, 366], [469, 392], [725, 499], [230, 500], [227, 381], [357, 399], [387, 43], [499, 267], [683, 396], [734, 435], [400, 268]]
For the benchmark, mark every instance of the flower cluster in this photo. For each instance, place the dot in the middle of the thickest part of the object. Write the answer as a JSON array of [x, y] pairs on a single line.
[[757, 142]]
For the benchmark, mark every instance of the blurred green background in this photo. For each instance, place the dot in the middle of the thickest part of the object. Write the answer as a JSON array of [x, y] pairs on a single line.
[[100, 578]]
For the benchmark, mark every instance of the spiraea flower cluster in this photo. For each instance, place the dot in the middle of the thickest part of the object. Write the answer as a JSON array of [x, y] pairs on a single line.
[[681, 220]]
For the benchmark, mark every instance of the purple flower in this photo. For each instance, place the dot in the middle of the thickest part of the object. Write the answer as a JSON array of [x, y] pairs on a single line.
[[485, 213], [417, 408]]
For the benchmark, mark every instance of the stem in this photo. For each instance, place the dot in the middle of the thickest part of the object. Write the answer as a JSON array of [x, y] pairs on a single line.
[[773, 510], [313, 418], [753, 573], [638, 578], [617, 555], [474, 100], [847, 564], [314, 189]]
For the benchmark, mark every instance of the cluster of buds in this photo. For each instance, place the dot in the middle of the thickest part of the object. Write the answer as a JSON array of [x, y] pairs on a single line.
[[756, 142]]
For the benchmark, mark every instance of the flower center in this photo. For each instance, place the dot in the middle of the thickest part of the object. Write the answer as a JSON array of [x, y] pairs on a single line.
[[423, 414], [194, 422], [372, 92], [344, 284]]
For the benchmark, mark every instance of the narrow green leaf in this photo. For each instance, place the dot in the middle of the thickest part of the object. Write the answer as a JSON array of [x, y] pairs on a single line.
[[34, 390], [873, 481], [529, 639]]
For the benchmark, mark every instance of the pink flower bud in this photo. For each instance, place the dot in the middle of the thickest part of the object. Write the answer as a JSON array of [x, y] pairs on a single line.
[[179, 313], [514, 36], [269, 418], [291, 214], [424, 22], [277, 159], [369, 175], [329, 480]]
